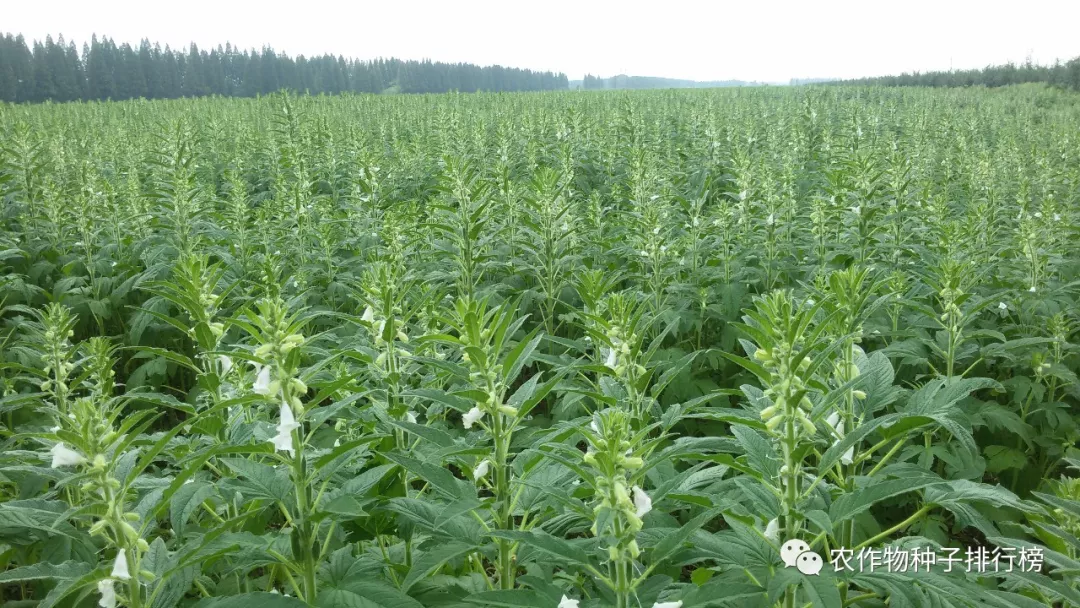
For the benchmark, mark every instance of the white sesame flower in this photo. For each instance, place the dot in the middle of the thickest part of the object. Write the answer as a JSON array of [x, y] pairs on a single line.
[[566, 602], [369, 315], [108, 593], [675, 604], [262, 381], [1038, 214], [642, 502], [772, 530], [225, 363], [63, 456], [283, 440], [697, 221], [1057, 217], [663, 248], [656, 230], [481, 470], [849, 456], [1003, 306], [833, 420], [411, 417], [594, 427], [643, 253], [857, 209], [1032, 290], [120, 567], [610, 359], [769, 221], [337, 443], [53, 429], [471, 417]]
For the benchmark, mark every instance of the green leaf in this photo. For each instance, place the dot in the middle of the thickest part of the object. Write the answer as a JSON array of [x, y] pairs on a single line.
[[822, 591], [68, 569], [674, 540], [547, 543], [251, 600], [186, 501], [261, 481], [365, 593], [1002, 458], [851, 504], [432, 560], [510, 598]]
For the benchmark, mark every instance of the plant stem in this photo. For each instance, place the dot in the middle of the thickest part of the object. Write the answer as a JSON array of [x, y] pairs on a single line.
[[900, 526]]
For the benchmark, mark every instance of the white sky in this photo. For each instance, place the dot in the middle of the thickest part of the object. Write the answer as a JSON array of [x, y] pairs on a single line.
[[765, 40]]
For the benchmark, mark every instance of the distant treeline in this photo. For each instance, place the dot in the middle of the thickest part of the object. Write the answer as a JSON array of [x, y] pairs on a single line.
[[622, 81], [1065, 75], [104, 70]]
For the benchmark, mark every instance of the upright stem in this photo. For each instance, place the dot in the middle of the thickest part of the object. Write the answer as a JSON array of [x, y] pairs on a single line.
[[502, 501], [789, 479], [303, 521]]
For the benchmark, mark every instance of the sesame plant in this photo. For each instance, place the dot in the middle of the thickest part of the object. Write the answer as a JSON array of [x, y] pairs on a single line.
[[761, 347]]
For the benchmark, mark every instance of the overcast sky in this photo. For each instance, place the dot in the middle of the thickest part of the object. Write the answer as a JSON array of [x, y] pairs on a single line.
[[709, 40]]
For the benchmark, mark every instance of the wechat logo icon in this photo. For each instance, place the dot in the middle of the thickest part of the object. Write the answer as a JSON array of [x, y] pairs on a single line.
[[797, 554]]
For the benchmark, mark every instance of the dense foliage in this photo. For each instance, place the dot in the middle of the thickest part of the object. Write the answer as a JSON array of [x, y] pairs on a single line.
[[1064, 75], [541, 350], [57, 71]]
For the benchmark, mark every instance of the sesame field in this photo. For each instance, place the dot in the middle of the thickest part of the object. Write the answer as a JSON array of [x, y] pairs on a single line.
[[798, 347]]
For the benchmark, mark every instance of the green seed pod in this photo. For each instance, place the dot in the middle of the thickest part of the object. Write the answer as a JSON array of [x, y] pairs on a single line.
[[774, 422], [769, 412], [131, 516], [298, 385], [98, 527], [142, 545], [130, 534]]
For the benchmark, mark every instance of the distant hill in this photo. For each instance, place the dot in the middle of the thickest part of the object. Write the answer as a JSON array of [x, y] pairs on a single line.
[[622, 81]]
